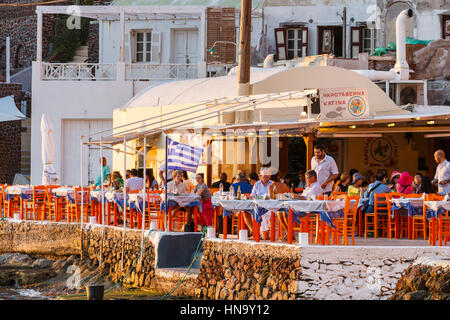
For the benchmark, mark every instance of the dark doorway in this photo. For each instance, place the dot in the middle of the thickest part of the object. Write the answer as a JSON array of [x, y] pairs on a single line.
[[297, 157], [330, 40]]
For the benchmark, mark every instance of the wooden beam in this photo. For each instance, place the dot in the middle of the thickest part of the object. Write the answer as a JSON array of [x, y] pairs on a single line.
[[244, 48], [309, 141]]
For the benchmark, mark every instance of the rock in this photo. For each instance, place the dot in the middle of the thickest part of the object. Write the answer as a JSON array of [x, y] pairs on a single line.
[[363, 294], [416, 295], [16, 259], [322, 293], [334, 296], [42, 263], [302, 286]]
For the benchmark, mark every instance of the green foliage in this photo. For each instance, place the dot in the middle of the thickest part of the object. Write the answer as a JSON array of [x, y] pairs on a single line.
[[66, 41]]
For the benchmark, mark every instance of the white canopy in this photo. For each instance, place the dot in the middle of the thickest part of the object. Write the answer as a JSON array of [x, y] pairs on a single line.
[[8, 110], [49, 175]]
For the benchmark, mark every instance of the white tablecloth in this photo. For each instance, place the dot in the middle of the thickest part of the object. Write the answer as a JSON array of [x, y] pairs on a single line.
[[316, 205], [64, 192], [416, 202], [183, 199]]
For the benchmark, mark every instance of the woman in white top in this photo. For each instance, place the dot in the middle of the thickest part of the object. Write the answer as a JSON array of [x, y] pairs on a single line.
[[176, 186]]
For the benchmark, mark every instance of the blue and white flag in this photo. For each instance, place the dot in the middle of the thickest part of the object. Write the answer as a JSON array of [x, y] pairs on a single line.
[[183, 157]]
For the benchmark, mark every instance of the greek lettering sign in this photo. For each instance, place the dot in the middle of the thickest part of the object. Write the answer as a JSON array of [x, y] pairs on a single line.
[[344, 103]]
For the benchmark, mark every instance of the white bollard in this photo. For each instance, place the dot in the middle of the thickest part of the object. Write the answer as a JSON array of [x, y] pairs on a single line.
[[211, 233], [303, 239], [243, 235], [153, 225], [92, 219]]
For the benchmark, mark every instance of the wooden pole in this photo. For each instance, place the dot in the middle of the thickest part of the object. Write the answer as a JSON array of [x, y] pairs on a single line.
[[244, 48], [309, 141]]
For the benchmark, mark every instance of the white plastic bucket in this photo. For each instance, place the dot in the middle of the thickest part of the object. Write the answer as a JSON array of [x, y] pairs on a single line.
[[211, 233], [303, 239], [243, 235], [153, 225]]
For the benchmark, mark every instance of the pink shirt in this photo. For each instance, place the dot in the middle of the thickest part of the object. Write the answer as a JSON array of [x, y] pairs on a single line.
[[407, 190]]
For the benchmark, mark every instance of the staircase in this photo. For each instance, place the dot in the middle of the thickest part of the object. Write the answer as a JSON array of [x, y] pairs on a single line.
[[81, 55], [25, 163]]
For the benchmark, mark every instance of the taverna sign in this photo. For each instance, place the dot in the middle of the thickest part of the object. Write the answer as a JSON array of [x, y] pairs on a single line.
[[344, 103]]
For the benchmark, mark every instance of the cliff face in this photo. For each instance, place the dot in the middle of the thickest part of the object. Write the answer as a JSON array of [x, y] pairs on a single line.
[[425, 279]]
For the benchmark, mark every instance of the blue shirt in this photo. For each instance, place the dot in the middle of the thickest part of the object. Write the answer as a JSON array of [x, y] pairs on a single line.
[[245, 187], [106, 173], [379, 188]]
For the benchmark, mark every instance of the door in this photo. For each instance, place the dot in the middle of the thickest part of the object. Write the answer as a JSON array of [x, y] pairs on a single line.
[[186, 47], [185, 54], [326, 40], [446, 27], [72, 130]]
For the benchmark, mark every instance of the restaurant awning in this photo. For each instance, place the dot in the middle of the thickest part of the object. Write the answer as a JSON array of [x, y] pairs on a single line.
[[9, 111]]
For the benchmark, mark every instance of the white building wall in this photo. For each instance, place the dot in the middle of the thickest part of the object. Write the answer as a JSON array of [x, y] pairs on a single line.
[[324, 15], [70, 100], [110, 37]]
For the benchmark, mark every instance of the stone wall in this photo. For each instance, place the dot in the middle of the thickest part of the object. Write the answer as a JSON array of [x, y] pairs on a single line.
[[426, 279], [356, 272], [235, 270], [20, 24], [10, 137]]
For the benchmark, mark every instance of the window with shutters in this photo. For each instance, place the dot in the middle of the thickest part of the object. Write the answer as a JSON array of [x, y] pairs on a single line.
[[291, 41], [145, 46], [294, 43], [368, 40]]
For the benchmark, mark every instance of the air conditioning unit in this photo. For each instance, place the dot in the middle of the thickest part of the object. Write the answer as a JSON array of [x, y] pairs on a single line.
[[409, 93]]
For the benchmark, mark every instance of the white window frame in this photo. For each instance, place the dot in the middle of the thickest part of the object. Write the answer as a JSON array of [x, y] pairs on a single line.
[[372, 39], [297, 50], [145, 49]]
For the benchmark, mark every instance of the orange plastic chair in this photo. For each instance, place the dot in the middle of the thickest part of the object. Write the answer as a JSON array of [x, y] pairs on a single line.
[[379, 216], [54, 205], [11, 206], [73, 210], [396, 225], [154, 210], [347, 225], [435, 226], [36, 206]]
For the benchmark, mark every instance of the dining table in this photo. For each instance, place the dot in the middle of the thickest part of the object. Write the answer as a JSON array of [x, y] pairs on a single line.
[[262, 211], [182, 200], [436, 210], [409, 207]]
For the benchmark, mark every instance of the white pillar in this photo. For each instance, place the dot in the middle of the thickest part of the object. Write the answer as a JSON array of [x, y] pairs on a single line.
[[122, 36], [8, 60], [39, 36]]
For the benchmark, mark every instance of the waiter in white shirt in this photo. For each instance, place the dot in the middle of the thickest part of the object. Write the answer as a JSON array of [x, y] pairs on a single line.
[[442, 177], [325, 168]]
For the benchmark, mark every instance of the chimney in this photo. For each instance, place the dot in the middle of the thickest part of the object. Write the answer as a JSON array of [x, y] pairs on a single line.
[[401, 66]]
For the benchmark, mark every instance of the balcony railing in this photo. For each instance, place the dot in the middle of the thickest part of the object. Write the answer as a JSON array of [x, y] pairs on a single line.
[[79, 71], [147, 71]]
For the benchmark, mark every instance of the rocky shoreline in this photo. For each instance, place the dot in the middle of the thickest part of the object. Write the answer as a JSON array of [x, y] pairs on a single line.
[[43, 278]]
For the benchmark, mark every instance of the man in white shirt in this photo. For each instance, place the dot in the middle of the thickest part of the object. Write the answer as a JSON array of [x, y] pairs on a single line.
[[325, 168], [313, 188], [442, 177], [134, 183]]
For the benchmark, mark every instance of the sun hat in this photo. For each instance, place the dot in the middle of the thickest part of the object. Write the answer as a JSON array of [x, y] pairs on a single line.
[[394, 174], [405, 179], [357, 176]]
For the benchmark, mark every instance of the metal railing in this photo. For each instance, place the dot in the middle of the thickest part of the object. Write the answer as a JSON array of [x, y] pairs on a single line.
[[79, 71], [148, 71]]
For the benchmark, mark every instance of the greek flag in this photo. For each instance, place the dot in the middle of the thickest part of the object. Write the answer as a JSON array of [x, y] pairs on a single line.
[[183, 157]]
